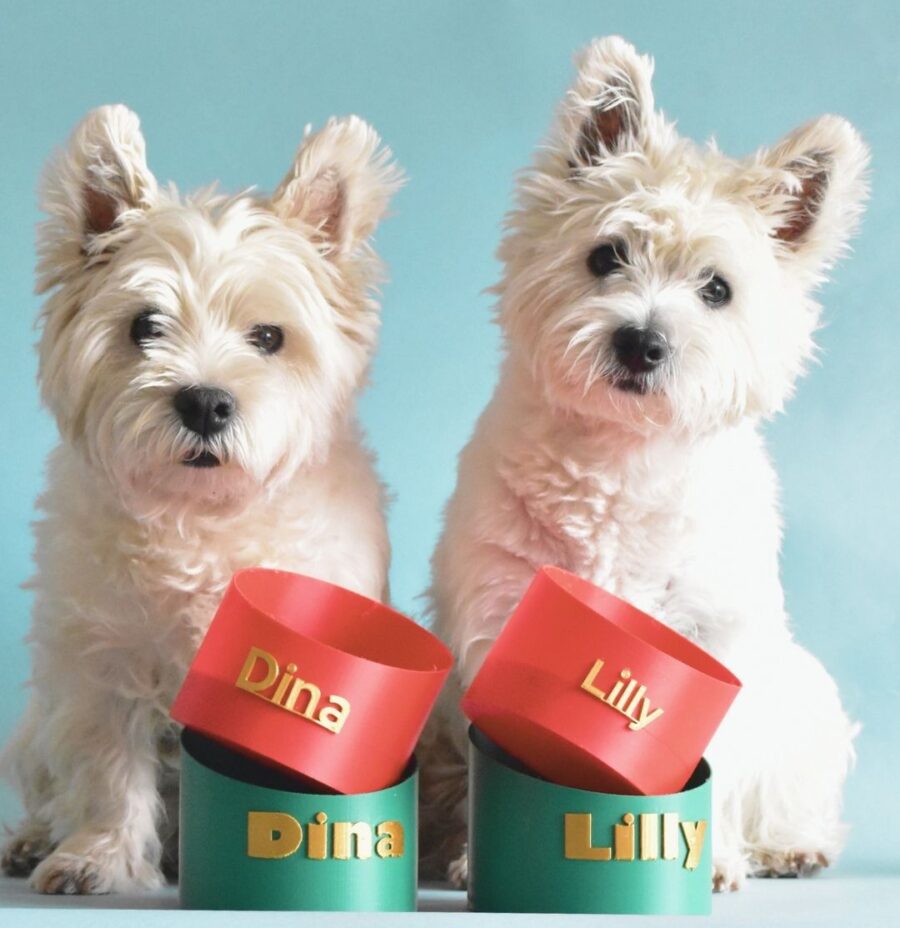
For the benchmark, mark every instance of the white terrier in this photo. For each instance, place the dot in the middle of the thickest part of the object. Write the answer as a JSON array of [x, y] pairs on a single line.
[[201, 357], [656, 305]]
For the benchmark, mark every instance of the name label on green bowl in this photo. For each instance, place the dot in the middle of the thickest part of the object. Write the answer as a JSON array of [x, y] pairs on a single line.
[[579, 845], [276, 835]]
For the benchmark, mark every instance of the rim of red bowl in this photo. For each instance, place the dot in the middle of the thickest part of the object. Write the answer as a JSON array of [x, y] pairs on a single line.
[[429, 654], [638, 624]]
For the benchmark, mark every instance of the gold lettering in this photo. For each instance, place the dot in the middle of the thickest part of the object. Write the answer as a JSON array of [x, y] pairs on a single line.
[[276, 835], [635, 702], [627, 697], [333, 716], [645, 717], [317, 837], [649, 828], [344, 831], [670, 835], [391, 839], [614, 693], [280, 690], [623, 838], [253, 655], [289, 691], [272, 835], [694, 833], [578, 846], [588, 682], [312, 703], [577, 838]]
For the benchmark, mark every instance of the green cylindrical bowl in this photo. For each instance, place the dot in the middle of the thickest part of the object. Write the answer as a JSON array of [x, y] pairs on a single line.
[[538, 847], [255, 838]]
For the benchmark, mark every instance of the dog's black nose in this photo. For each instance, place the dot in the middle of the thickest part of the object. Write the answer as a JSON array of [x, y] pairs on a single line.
[[640, 350], [204, 410]]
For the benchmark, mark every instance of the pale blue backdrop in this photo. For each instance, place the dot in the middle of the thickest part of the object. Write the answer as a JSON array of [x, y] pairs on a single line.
[[463, 91]]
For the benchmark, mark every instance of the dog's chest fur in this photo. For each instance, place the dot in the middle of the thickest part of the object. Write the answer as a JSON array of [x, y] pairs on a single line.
[[132, 597], [609, 513]]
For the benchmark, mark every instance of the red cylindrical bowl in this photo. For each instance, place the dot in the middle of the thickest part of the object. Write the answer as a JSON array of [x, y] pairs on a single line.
[[592, 693], [314, 678]]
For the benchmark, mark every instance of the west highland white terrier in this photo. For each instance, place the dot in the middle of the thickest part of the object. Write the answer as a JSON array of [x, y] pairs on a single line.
[[656, 306], [201, 357]]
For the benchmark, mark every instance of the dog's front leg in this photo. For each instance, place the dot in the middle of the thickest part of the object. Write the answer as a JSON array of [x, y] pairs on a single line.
[[477, 584], [782, 753], [798, 744], [100, 750]]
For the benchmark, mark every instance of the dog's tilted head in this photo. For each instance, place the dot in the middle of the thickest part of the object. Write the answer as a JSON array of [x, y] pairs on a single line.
[[657, 284], [198, 350]]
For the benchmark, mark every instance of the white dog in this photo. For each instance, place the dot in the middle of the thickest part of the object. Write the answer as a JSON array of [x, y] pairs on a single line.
[[656, 305], [200, 356]]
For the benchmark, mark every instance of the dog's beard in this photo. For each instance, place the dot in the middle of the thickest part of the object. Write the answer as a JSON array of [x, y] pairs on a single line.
[[626, 381], [635, 401], [167, 469], [156, 467], [202, 458], [155, 488]]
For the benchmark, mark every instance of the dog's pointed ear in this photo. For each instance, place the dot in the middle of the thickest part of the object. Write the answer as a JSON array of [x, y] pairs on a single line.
[[90, 187], [609, 108], [812, 188], [339, 185]]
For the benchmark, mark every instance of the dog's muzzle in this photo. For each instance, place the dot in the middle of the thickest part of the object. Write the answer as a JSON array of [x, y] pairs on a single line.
[[204, 410], [640, 353], [202, 459]]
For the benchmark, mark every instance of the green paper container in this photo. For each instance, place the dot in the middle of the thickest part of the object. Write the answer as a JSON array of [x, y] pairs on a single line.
[[253, 837], [535, 846]]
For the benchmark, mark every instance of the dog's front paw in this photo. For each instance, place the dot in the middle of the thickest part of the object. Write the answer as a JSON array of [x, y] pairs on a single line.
[[458, 870], [788, 863], [70, 874], [93, 872], [25, 851], [729, 874]]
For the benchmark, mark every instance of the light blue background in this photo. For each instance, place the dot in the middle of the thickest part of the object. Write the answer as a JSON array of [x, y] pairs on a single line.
[[463, 91]]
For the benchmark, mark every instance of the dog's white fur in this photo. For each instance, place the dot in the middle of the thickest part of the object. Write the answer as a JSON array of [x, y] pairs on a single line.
[[135, 549], [666, 498]]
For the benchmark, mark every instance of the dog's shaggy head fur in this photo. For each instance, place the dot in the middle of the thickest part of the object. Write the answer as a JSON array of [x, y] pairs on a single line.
[[267, 299], [702, 264]]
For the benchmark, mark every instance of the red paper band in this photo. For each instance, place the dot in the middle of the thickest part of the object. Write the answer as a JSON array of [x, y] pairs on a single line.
[[590, 692], [315, 678]]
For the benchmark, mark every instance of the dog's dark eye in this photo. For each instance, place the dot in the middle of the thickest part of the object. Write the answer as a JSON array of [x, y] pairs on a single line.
[[145, 327], [604, 259], [268, 338], [715, 292]]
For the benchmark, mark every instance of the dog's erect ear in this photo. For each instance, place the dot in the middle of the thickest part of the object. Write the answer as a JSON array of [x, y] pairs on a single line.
[[811, 188], [90, 187], [339, 184], [607, 110]]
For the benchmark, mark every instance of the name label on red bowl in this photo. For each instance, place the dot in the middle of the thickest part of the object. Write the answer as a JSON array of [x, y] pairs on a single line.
[[284, 690], [578, 841], [626, 697]]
